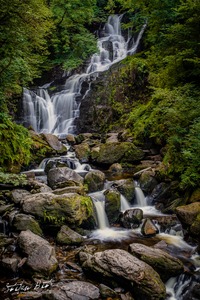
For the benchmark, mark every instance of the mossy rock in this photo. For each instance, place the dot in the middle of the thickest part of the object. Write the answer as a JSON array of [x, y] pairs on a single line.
[[110, 153], [94, 180], [24, 222], [188, 213], [67, 236], [112, 205], [195, 197], [82, 152]]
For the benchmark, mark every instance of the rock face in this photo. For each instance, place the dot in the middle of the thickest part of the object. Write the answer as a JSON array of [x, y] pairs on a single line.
[[18, 195], [41, 255], [94, 180], [166, 265], [67, 236], [53, 141], [70, 208], [75, 290], [63, 177], [120, 265]]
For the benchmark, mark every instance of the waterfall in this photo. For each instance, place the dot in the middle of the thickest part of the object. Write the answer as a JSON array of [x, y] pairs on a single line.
[[56, 114], [124, 203], [140, 198], [101, 214]]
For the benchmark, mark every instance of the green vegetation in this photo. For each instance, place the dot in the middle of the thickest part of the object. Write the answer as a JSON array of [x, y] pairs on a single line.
[[154, 94]]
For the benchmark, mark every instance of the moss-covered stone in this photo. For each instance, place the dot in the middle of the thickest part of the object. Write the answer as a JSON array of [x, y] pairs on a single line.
[[24, 222], [112, 205], [110, 153], [195, 197], [82, 152], [94, 180]]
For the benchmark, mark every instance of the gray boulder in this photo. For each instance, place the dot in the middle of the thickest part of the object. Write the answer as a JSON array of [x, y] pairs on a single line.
[[63, 177], [131, 218], [112, 205], [166, 265], [121, 266], [41, 255], [18, 194]]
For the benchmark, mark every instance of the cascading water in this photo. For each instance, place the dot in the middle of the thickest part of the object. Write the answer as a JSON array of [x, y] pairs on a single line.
[[56, 114], [140, 198]]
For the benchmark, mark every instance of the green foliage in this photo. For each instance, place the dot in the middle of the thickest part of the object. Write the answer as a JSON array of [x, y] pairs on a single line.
[[15, 144], [53, 219], [71, 41], [14, 179]]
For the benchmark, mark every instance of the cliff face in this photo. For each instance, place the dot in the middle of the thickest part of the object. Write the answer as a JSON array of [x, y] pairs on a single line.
[[113, 96]]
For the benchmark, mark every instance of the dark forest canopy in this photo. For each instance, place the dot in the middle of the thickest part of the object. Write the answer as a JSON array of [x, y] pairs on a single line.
[[36, 35]]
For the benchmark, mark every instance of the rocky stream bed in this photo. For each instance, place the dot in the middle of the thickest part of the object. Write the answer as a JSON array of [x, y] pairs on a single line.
[[99, 222]]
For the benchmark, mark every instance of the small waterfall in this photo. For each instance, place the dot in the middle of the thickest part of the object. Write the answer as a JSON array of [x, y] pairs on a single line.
[[56, 114], [124, 203], [101, 214], [140, 198]]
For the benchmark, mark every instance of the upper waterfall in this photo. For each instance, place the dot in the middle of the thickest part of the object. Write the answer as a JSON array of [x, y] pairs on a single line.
[[56, 114]]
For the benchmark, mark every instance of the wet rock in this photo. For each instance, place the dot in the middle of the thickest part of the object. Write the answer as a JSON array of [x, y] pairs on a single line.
[[70, 208], [112, 205], [166, 265], [63, 177], [188, 213], [18, 195], [71, 139], [67, 236], [126, 187], [41, 255], [22, 222], [82, 152], [147, 181], [149, 228], [119, 265], [115, 169], [76, 290], [54, 143], [112, 137], [94, 180], [166, 222], [5, 241], [131, 218]]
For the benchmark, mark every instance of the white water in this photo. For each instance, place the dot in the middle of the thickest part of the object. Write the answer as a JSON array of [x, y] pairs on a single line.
[[56, 114], [140, 198], [124, 203]]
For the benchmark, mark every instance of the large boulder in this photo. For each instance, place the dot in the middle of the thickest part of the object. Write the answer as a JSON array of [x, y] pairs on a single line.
[[54, 143], [113, 152], [112, 205], [69, 208], [166, 265], [148, 181], [67, 236], [63, 177], [94, 180], [121, 266], [41, 257]]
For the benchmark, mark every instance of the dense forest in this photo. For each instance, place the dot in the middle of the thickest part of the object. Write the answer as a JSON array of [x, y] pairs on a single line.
[[39, 35]]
